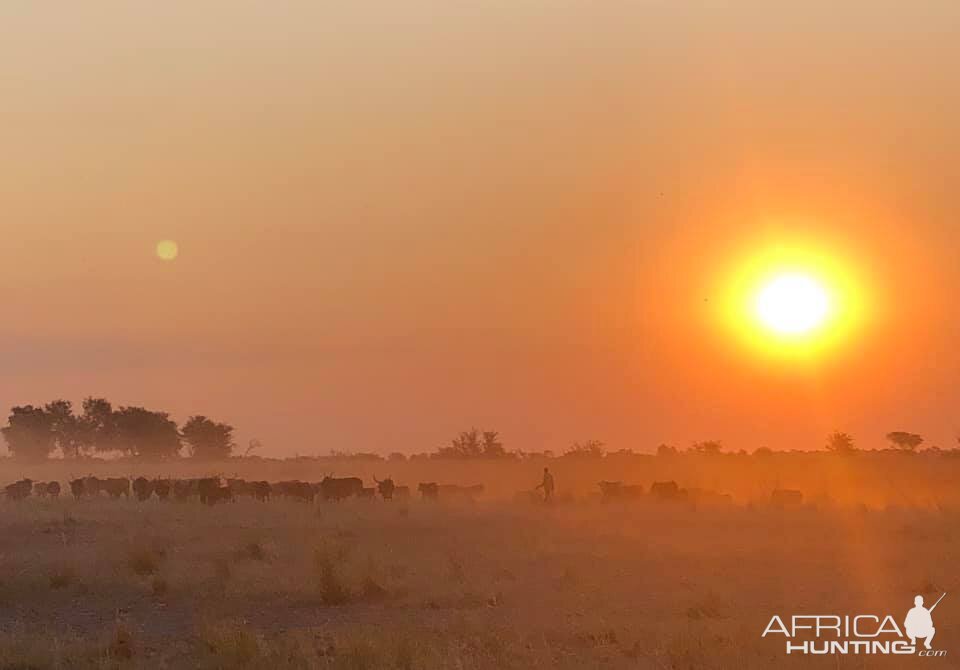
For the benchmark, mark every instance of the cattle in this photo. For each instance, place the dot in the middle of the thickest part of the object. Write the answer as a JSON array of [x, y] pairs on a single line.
[[86, 487], [296, 490], [44, 489], [611, 491], [367, 493], [667, 491], [240, 487], [260, 490], [301, 491], [340, 488], [19, 490], [92, 486], [786, 497], [77, 488], [185, 488], [386, 488], [213, 490], [143, 488], [162, 488], [116, 486], [429, 491]]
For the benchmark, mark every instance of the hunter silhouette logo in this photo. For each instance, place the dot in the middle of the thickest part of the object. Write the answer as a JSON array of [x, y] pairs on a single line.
[[919, 623], [822, 634]]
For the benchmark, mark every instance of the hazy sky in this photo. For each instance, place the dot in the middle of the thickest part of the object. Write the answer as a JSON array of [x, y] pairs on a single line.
[[400, 219]]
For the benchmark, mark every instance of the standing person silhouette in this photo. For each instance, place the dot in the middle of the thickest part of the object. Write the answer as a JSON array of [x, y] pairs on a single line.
[[547, 485]]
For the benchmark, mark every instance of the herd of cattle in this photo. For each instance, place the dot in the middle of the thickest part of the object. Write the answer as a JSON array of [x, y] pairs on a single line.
[[211, 490], [671, 491]]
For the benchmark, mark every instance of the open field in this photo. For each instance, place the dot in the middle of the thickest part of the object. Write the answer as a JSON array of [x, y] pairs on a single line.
[[495, 584]]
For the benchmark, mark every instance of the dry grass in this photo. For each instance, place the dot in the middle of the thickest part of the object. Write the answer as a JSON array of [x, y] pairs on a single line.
[[106, 584]]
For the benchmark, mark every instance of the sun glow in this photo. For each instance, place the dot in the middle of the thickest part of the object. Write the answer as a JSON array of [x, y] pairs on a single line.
[[793, 300], [792, 304]]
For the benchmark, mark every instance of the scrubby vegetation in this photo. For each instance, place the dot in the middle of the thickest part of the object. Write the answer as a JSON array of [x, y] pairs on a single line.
[[116, 583]]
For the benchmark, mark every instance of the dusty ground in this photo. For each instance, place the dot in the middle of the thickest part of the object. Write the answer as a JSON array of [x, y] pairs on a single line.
[[104, 583]]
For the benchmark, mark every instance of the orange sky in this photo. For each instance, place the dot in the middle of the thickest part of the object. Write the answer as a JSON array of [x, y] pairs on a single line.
[[398, 220]]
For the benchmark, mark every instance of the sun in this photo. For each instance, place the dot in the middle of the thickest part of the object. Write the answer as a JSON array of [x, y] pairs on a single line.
[[792, 303], [798, 300], [167, 250]]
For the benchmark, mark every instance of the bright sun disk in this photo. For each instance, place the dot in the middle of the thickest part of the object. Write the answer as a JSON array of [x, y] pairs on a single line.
[[792, 304]]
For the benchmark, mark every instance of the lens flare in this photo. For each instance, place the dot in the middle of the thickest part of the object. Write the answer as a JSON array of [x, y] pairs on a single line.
[[167, 250]]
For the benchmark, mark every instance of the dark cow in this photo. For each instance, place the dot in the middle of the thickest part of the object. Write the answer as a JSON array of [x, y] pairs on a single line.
[[143, 488], [44, 489], [19, 490], [92, 486], [296, 490], [240, 487], [340, 488], [301, 491], [213, 490], [386, 488], [667, 491], [85, 487], [185, 488], [786, 497], [162, 488], [429, 491], [260, 490], [367, 493], [116, 486]]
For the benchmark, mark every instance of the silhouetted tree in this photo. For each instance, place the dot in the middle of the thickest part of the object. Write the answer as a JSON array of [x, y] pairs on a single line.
[[666, 450], [208, 440], [762, 451], [466, 445], [588, 449], [66, 428], [397, 457], [840, 443], [97, 425], [253, 445], [29, 433], [146, 434], [491, 445], [905, 441], [707, 447]]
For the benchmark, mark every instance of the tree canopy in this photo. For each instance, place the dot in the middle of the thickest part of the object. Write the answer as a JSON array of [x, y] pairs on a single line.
[[36, 433]]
